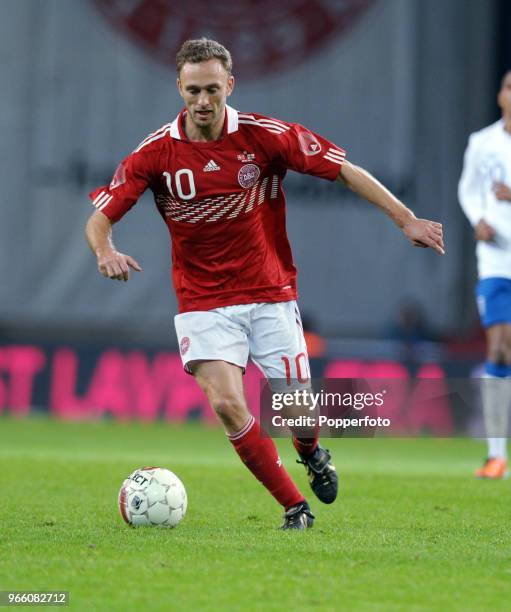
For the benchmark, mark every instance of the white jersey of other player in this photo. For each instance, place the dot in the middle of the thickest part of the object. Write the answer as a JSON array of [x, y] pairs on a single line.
[[488, 161]]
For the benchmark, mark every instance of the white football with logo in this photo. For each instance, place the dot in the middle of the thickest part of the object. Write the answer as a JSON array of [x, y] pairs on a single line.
[[153, 496]]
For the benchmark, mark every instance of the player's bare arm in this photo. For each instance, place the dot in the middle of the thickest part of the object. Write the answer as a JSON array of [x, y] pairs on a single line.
[[420, 232], [111, 263]]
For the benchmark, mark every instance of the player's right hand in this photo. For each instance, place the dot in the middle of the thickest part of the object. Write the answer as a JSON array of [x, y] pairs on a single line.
[[484, 231], [116, 265]]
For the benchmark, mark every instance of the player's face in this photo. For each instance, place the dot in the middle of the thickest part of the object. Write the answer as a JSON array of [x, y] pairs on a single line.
[[204, 87], [504, 97]]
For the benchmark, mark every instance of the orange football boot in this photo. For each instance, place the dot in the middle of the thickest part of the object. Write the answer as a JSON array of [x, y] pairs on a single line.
[[493, 469]]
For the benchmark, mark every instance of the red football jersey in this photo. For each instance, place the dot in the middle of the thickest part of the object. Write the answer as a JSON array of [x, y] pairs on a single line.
[[223, 204]]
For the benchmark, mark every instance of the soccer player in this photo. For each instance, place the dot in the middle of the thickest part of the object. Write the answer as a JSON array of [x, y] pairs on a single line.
[[216, 175], [485, 196]]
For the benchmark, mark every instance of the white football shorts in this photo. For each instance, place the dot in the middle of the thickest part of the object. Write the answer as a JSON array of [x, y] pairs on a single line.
[[270, 333]]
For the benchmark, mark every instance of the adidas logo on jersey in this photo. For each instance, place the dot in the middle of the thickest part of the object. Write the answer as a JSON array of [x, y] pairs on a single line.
[[211, 166]]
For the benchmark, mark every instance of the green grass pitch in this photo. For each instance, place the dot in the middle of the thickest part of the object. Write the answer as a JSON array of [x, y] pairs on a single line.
[[411, 530]]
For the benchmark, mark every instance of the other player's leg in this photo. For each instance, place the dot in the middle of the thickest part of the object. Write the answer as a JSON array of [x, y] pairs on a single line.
[[496, 396], [494, 301]]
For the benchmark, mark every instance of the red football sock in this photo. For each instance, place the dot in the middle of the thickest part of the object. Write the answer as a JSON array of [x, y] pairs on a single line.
[[260, 456], [305, 446]]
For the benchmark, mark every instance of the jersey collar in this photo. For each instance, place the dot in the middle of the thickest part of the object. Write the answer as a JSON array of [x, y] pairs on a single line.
[[230, 125]]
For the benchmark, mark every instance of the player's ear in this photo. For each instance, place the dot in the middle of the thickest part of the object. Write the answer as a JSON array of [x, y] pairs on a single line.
[[230, 84], [180, 89], [500, 100]]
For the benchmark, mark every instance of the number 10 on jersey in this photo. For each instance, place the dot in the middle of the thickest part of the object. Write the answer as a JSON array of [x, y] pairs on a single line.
[[301, 368], [178, 184]]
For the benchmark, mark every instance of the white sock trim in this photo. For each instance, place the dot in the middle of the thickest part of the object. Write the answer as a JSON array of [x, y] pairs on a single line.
[[244, 430]]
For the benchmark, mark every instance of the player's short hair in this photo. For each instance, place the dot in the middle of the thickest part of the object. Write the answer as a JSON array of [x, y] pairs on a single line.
[[202, 50], [504, 76]]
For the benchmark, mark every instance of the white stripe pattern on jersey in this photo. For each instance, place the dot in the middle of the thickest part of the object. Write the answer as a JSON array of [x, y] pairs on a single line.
[[272, 125], [102, 200], [154, 136], [335, 155], [262, 190], [251, 201], [194, 211], [105, 202], [269, 128], [237, 210], [274, 187], [99, 197], [275, 122], [213, 209], [234, 202]]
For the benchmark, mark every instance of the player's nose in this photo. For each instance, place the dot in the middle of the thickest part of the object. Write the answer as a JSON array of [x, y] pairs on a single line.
[[203, 100]]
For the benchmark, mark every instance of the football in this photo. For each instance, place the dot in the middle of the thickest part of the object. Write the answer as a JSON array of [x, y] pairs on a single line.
[[152, 496]]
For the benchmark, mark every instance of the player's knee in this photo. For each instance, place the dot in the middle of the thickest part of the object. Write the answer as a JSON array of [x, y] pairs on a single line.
[[499, 352], [506, 356], [228, 406]]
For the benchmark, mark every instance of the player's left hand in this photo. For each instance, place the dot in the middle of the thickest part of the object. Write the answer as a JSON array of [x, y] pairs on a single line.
[[423, 233], [502, 191]]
